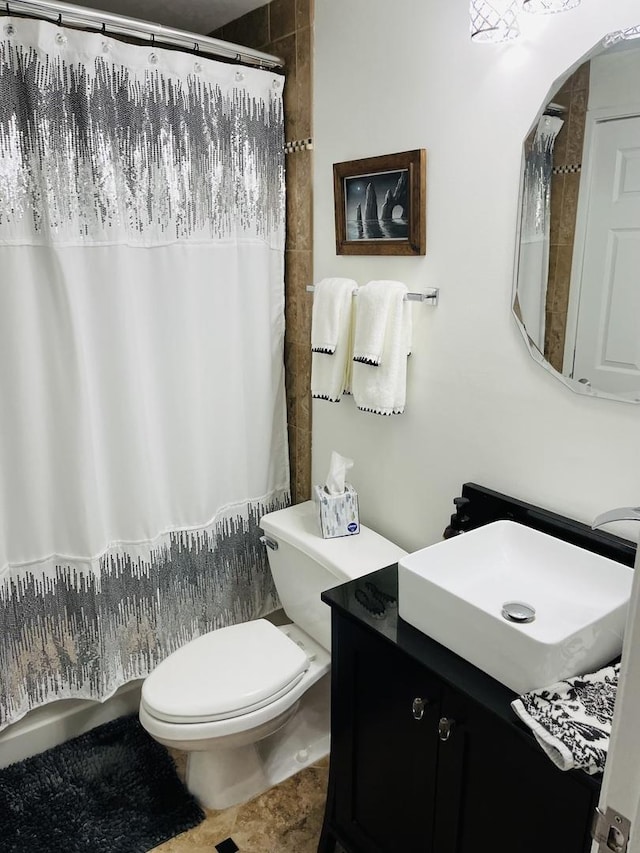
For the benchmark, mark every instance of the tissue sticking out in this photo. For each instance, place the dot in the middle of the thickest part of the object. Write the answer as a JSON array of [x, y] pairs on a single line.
[[337, 500], [336, 478]]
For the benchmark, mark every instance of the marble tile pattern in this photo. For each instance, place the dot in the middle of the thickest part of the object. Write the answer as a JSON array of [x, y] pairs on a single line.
[[285, 819], [285, 28], [564, 205]]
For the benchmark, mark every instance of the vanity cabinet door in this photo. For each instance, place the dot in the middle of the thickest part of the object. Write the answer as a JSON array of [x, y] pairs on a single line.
[[498, 791], [385, 711]]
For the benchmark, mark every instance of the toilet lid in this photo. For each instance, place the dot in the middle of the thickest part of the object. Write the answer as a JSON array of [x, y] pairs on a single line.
[[224, 673]]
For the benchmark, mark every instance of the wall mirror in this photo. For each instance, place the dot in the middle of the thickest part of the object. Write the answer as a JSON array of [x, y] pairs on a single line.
[[577, 283]]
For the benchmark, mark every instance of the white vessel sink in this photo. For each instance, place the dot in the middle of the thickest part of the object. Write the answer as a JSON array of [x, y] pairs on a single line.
[[455, 591]]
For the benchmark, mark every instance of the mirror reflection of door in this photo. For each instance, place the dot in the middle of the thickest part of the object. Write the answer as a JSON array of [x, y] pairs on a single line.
[[582, 318], [607, 334]]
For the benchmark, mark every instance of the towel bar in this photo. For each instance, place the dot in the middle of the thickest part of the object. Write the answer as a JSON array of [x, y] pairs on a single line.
[[430, 295]]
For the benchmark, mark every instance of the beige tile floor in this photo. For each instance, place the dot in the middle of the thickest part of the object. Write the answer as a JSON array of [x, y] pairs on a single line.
[[285, 819]]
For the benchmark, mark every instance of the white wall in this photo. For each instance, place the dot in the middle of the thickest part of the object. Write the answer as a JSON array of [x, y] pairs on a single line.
[[392, 76]]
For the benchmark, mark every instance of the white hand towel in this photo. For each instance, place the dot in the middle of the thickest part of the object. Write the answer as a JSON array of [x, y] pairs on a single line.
[[381, 388], [373, 308], [331, 337], [331, 309]]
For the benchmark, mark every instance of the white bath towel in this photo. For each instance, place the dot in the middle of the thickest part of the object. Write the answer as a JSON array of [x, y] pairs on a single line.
[[379, 383], [331, 309], [331, 337], [374, 305]]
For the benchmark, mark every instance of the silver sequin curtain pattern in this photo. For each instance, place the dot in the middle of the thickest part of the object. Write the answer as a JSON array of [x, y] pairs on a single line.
[[536, 195], [82, 630], [533, 259], [103, 153]]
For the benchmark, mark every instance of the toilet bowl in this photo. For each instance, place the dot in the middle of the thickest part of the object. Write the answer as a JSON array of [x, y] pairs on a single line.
[[261, 672], [249, 703]]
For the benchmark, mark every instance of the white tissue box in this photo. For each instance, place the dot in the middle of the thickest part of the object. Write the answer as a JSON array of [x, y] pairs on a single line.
[[337, 514]]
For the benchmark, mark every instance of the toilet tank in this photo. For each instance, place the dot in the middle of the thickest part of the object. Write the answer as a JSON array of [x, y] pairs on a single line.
[[304, 564]]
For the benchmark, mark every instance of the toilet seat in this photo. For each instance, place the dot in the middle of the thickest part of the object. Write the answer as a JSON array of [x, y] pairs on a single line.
[[218, 733], [225, 673]]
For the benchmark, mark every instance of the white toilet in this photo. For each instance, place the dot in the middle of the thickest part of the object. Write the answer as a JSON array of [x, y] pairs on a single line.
[[250, 702]]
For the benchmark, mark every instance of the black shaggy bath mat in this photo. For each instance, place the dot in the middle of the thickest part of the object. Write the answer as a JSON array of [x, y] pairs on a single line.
[[111, 790]]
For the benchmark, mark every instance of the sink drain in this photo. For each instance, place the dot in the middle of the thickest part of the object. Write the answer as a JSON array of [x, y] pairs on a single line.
[[518, 611]]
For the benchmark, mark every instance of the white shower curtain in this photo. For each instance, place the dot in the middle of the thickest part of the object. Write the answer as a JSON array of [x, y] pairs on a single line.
[[142, 425], [533, 262]]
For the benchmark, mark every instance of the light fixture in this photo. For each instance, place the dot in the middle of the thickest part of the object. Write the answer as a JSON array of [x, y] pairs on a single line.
[[544, 7], [621, 35], [494, 20]]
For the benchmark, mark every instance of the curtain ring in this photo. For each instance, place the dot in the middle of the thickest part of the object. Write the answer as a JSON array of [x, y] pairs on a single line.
[[153, 40], [196, 47], [8, 9], [60, 19]]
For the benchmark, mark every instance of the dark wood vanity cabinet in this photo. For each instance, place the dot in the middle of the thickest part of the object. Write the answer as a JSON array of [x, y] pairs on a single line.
[[427, 755], [384, 792]]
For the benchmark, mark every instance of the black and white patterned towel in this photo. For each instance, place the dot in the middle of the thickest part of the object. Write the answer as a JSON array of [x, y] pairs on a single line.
[[571, 720]]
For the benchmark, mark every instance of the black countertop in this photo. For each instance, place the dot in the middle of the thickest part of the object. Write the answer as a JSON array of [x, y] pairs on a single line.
[[449, 667]]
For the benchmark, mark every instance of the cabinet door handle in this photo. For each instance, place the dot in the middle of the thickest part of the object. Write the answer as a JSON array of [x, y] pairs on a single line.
[[444, 728], [417, 707]]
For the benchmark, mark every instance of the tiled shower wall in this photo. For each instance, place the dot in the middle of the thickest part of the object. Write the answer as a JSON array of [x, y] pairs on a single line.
[[284, 28], [567, 164]]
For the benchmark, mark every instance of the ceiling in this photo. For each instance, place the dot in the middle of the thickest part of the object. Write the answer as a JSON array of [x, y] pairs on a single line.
[[196, 16]]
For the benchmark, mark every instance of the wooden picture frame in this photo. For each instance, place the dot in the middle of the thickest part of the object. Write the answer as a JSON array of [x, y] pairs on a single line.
[[380, 204]]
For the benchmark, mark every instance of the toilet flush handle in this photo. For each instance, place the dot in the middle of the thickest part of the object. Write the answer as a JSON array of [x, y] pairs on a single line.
[[270, 543]]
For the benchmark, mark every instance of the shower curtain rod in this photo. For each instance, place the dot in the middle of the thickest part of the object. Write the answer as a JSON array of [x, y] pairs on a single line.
[[110, 24]]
